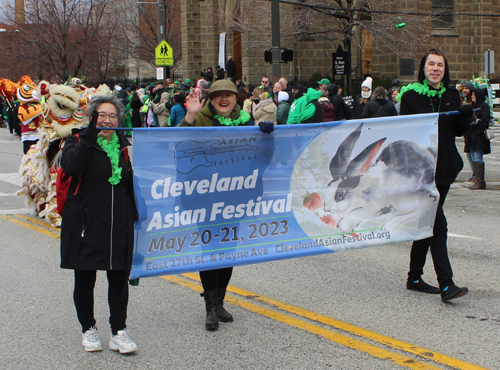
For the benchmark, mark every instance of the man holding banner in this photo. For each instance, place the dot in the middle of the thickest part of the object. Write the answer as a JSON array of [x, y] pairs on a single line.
[[432, 94]]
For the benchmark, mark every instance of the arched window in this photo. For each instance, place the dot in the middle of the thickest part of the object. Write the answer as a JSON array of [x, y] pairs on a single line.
[[443, 13]]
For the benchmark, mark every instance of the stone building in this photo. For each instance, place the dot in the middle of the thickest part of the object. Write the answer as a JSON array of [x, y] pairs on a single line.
[[460, 28]]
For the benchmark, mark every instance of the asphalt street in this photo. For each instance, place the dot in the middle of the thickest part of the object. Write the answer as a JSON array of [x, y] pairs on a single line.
[[346, 310]]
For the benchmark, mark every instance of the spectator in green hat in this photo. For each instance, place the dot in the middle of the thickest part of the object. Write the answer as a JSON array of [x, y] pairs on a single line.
[[323, 83]]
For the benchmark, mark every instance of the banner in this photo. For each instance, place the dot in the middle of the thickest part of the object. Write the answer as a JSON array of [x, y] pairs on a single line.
[[215, 197]]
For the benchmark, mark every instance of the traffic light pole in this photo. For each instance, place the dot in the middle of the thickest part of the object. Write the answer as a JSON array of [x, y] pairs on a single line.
[[275, 34], [161, 33]]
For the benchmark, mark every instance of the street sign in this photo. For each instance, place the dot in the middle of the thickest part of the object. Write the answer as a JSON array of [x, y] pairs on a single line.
[[164, 54], [159, 73], [340, 60]]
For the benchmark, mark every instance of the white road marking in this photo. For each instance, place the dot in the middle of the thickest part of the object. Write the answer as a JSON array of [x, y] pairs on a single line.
[[20, 211], [463, 236], [12, 178]]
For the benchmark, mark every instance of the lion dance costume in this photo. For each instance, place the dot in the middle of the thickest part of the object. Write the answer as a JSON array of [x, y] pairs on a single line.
[[62, 109]]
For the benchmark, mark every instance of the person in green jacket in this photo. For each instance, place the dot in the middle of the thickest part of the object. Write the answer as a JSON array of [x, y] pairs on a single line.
[[305, 107]]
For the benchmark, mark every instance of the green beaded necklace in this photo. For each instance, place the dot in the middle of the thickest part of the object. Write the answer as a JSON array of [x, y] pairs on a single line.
[[422, 89], [242, 119], [112, 149]]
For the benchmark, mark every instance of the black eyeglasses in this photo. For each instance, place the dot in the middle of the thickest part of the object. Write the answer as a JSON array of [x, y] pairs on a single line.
[[264, 82]]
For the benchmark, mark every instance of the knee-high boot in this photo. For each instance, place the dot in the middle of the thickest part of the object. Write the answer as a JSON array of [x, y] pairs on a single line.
[[224, 316], [480, 184], [212, 321]]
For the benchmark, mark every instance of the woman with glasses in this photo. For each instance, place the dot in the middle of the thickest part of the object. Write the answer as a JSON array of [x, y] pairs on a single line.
[[98, 220]]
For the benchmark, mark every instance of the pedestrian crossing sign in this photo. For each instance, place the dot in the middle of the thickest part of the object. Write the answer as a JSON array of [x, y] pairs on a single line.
[[164, 54]]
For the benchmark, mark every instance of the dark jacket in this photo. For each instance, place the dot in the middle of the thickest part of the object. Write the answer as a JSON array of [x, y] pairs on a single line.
[[379, 108], [231, 68], [97, 232], [449, 162], [342, 111], [220, 74], [476, 138], [328, 111], [136, 105], [208, 76], [358, 107]]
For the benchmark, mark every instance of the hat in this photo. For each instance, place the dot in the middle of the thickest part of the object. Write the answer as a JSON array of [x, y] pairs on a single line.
[[143, 86], [187, 80], [469, 85], [177, 83], [222, 85], [159, 82], [323, 99], [118, 88], [367, 83], [282, 96], [265, 95], [324, 81]]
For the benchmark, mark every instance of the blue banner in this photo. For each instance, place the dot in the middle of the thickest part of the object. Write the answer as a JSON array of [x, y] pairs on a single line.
[[225, 196]]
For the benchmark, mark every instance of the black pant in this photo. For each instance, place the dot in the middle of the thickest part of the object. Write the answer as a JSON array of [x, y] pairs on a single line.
[[83, 296], [216, 279], [437, 244]]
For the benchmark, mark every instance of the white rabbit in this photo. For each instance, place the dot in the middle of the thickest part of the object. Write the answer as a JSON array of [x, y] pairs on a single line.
[[394, 188]]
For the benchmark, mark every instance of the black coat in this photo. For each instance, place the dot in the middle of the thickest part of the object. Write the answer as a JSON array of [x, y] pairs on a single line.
[[449, 161], [358, 107], [97, 231], [231, 68], [342, 111], [475, 136], [220, 74], [379, 108]]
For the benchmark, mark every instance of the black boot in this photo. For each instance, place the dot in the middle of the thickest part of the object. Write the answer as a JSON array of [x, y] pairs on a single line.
[[212, 321], [224, 316]]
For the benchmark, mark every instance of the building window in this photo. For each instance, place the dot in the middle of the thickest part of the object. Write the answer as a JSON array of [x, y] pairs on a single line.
[[407, 67], [443, 13]]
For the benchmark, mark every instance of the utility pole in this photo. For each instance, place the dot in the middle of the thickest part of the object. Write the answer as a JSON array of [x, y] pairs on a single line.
[[161, 33], [275, 34]]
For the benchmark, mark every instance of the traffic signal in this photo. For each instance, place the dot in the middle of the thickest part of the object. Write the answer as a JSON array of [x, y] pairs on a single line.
[[287, 55], [268, 56]]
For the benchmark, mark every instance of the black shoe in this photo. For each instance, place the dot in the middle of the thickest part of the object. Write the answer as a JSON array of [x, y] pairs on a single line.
[[421, 286], [452, 291]]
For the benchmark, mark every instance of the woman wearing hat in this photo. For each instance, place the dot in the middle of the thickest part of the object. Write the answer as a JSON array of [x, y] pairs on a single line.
[[265, 110], [220, 110], [361, 100]]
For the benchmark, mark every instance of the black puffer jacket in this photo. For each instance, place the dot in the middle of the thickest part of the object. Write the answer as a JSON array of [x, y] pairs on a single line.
[[98, 218], [379, 108]]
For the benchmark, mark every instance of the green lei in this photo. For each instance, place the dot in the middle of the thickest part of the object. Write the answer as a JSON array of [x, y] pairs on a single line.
[[242, 119], [422, 89], [112, 149]]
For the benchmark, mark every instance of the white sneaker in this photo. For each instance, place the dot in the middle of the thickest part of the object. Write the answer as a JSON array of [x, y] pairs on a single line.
[[90, 340], [122, 342]]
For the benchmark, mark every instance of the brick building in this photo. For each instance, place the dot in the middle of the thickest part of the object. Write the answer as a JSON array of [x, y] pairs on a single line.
[[455, 29]]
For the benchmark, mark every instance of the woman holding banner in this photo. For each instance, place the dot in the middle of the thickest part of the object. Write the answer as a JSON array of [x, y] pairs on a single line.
[[432, 94], [98, 228], [220, 110]]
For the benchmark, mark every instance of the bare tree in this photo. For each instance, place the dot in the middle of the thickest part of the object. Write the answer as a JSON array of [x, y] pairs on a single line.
[[387, 25], [141, 29], [67, 38]]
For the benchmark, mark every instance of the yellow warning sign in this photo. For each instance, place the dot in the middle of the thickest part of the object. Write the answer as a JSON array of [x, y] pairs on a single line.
[[164, 54]]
